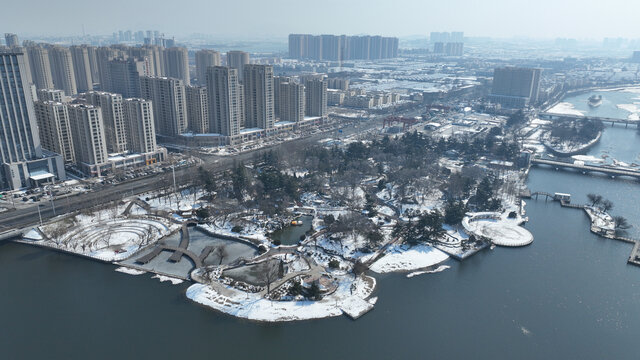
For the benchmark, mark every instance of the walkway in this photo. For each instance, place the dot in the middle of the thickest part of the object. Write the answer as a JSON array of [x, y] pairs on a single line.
[[184, 244], [634, 258], [315, 272]]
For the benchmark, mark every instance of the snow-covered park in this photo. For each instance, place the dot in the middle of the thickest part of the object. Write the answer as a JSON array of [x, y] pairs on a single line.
[[107, 234], [351, 298]]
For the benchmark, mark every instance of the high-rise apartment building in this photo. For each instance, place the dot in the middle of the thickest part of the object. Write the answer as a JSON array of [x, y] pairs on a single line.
[[291, 101], [316, 97], [197, 109], [25, 54], [115, 131], [224, 100], [55, 129], [64, 77], [277, 80], [205, 59], [51, 95], [169, 104], [11, 40], [237, 60], [93, 63], [22, 161], [82, 67], [450, 44], [123, 76], [332, 47], [177, 64], [241, 106], [156, 60], [258, 96], [103, 56], [141, 133], [40, 67], [339, 84], [515, 87], [146, 55], [457, 36], [89, 142], [454, 49]]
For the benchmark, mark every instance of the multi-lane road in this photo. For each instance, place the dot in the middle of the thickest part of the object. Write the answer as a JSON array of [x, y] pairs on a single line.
[[25, 217]]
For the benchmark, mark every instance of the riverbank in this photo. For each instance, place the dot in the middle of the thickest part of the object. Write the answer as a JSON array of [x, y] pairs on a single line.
[[567, 149]]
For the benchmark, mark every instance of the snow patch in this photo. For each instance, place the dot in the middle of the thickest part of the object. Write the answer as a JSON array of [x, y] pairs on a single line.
[[404, 258], [348, 298], [439, 269], [565, 108], [163, 278], [130, 271]]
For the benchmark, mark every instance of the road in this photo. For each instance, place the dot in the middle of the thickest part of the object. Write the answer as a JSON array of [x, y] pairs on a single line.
[[25, 217]]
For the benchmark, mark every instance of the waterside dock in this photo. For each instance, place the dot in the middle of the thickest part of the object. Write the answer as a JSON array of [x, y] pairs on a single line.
[[565, 201]]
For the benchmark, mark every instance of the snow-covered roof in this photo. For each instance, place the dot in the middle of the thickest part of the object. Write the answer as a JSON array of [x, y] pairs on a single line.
[[40, 175]]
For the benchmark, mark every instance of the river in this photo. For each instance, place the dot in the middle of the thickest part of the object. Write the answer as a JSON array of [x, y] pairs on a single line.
[[569, 295]]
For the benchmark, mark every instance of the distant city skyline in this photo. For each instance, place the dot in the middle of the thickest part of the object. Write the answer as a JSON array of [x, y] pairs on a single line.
[[493, 18]]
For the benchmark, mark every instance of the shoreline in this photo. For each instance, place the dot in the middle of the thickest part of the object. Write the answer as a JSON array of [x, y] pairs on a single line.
[[579, 151]]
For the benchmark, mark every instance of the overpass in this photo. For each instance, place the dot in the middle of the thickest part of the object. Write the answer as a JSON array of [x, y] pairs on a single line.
[[605, 120], [611, 171]]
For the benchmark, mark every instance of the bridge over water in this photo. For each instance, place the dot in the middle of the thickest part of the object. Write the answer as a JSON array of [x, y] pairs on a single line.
[[611, 171], [605, 120]]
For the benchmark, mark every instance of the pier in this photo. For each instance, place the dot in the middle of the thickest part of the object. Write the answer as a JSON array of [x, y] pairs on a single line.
[[565, 201], [611, 171]]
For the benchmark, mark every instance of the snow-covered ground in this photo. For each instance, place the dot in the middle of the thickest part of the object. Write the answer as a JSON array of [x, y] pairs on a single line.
[[567, 146], [348, 245], [163, 278], [183, 201], [588, 158], [601, 220], [130, 271], [105, 234], [437, 270], [565, 108], [632, 109], [405, 258], [498, 227], [249, 231], [348, 298]]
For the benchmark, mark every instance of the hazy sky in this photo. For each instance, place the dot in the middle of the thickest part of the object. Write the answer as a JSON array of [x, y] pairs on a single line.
[[260, 18]]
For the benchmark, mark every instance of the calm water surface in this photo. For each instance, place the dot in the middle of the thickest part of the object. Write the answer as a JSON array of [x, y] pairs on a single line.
[[569, 295]]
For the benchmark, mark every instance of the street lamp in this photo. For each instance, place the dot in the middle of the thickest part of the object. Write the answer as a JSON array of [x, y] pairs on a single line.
[[39, 215]]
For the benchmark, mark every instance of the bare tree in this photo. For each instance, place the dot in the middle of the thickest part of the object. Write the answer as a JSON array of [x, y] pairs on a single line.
[[148, 235], [107, 238], [595, 199], [221, 252], [113, 211], [268, 273], [57, 232]]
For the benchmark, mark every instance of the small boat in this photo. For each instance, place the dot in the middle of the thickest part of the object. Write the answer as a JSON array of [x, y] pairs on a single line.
[[296, 222], [594, 100]]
